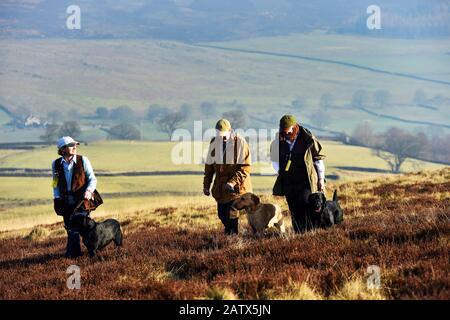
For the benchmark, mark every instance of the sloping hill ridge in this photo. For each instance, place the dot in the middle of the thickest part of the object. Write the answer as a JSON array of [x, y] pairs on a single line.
[[400, 224]]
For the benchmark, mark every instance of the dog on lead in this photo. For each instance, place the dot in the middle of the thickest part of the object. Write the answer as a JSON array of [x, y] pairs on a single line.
[[95, 235], [260, 216], [322, 212]]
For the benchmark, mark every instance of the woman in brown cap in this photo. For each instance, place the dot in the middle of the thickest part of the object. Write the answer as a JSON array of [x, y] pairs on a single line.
[[229, 161], [299, 163]]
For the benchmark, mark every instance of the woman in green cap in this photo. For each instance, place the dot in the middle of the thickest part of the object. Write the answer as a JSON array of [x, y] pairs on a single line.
[[228, 162], [299, 163]]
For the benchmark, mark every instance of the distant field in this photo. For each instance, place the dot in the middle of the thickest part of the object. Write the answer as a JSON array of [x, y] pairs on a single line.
[[32, 189], [426, 58], [125, 156], [7, 152], [139, 73]]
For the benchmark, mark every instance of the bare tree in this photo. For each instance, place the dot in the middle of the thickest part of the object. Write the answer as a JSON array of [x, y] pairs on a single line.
[[360, 99], [124, 131], [102, 112], [381, 97], [70, 128], [171, 122], [440, 148], [398, 145], [363, 135], [124, 114]]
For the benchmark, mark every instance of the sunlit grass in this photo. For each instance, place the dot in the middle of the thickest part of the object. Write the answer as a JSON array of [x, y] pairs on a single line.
[[126, 156]]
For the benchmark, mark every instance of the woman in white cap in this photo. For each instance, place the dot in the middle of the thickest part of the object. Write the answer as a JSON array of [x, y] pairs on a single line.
[[73, 182]]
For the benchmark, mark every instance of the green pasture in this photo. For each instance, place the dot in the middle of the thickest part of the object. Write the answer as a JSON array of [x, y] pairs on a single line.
[[426, 57], [15, 189], [140, 156], [139, 73], [7, 152]]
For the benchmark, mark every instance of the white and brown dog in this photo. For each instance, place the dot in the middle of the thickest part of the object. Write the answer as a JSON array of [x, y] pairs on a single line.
[[260, 216]]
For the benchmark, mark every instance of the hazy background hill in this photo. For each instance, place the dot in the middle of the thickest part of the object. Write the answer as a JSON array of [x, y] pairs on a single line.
[[207, 20], [136, 62], [62, 79]]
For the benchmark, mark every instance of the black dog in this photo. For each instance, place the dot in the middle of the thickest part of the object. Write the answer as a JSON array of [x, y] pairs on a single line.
[[95, 235], [323, 213]]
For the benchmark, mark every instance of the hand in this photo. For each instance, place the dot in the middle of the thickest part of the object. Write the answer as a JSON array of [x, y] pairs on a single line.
[[88, 195], [206, 192], [230, 187], [321, 185]]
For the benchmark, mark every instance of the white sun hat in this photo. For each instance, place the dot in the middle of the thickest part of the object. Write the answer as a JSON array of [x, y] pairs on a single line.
[[64, 141]]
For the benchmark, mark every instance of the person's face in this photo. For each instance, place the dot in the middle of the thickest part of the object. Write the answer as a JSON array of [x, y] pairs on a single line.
[[224, 135], [70, 149], [289, 132]]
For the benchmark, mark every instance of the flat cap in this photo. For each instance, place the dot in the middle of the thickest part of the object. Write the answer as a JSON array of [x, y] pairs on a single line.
[[223, 125], [287, 121]]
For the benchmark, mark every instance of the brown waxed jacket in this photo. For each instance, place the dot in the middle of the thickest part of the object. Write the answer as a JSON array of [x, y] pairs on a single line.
[[229, 166]]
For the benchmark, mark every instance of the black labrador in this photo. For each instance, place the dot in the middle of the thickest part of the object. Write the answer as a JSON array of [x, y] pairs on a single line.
[[95, 235], [323, 213]]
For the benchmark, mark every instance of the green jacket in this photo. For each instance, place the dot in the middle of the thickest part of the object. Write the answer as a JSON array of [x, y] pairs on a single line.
[[313, 152]]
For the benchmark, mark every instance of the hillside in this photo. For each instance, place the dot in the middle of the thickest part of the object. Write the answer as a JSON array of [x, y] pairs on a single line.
[[400, 224], [39, 76], [211, 20]]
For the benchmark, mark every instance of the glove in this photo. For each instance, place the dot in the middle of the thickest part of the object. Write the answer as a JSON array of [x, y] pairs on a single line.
[[230, 188], [58, 206], [206, 192]]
